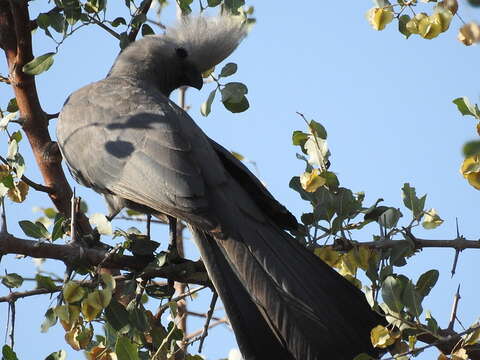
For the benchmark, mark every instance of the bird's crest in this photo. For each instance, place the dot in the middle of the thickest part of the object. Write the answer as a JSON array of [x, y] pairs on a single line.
[[208, 40]]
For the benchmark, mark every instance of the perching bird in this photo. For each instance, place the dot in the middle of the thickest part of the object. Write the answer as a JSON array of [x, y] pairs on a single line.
[[124, 138]]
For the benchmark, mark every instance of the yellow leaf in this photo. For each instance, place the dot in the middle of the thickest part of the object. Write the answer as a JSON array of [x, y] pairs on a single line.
[[470, 170], [18, 193], [93, 305], [100, 352], [431, 220], [238, 155], [451, 5], [460, 354], [443, 17], [208, 72], [478, 128], [357, 283], [428, 28], [473, 337], [381, 337], [79, 337], [108, 280], [73, 292], [469, 34], [68, 315], [379, 18], [348, 265], [311, 181], [362, 255], [328, 255]]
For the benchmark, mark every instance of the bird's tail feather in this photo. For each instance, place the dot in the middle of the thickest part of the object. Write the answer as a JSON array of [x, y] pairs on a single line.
[[277, 294]]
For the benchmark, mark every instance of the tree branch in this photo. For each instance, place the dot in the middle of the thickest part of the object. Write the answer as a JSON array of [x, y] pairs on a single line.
[[457, 244], [16, 41], [187, 271], [141, 10]]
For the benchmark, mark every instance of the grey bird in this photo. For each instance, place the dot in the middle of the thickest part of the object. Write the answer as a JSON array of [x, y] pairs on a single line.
[[125, 139]]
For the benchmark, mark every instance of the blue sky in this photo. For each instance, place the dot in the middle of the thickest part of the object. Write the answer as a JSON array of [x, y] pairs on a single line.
[[385, 101]]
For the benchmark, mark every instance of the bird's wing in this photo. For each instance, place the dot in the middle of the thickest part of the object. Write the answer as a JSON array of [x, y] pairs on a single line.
[[133, 142]]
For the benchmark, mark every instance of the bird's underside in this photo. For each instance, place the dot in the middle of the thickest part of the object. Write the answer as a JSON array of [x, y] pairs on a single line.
[[124, 138]]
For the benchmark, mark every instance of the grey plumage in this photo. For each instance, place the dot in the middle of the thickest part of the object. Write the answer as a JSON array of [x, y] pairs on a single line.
[[123, 137]]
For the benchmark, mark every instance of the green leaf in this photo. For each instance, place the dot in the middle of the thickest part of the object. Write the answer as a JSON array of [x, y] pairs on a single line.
[[233, 5], [7, 180], [234, 92], [43, 20], [402, 25], [45, 282], [213, 3], [318, 129], [12, 280], [411, 200], [57, 22], [118, 21], [137, 316], [50, 320], [72, 11], [237, 107], [185, 6], [147, 30], [392, 290], [95, 6], [125, 349], [207, 105], [412, 300], [432, 324], [32, 230], [299, 138], [390, 218], [39, 64], [471, 148], [73, 292], [8, 353], [12, 105], [160, 291], [228, 69], [116, 315], [467, 108], [57, 355], [426, 282], [57, 231], [141, 245]]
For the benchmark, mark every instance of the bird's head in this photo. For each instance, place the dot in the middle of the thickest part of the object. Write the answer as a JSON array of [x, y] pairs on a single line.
[[179, 57]]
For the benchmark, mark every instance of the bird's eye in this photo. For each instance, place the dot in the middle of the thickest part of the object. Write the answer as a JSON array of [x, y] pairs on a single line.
[[181, 53]]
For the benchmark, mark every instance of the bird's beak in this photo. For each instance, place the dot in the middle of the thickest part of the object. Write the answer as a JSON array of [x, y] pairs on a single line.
[[194, 78]]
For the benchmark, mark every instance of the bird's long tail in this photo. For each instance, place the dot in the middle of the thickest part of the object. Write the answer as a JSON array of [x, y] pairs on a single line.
[[283, 301]]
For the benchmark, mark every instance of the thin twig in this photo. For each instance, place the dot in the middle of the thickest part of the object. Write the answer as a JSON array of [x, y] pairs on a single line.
[[105, 27], [202, 315], [13, 296], [73, 212], [139, 219], [4, 79], [52, 116], [162, 308], [195, 336], [211, 309], [3, 218], [457, 251], [12, 327], [435, 343], [141, 10], [453, 314]]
